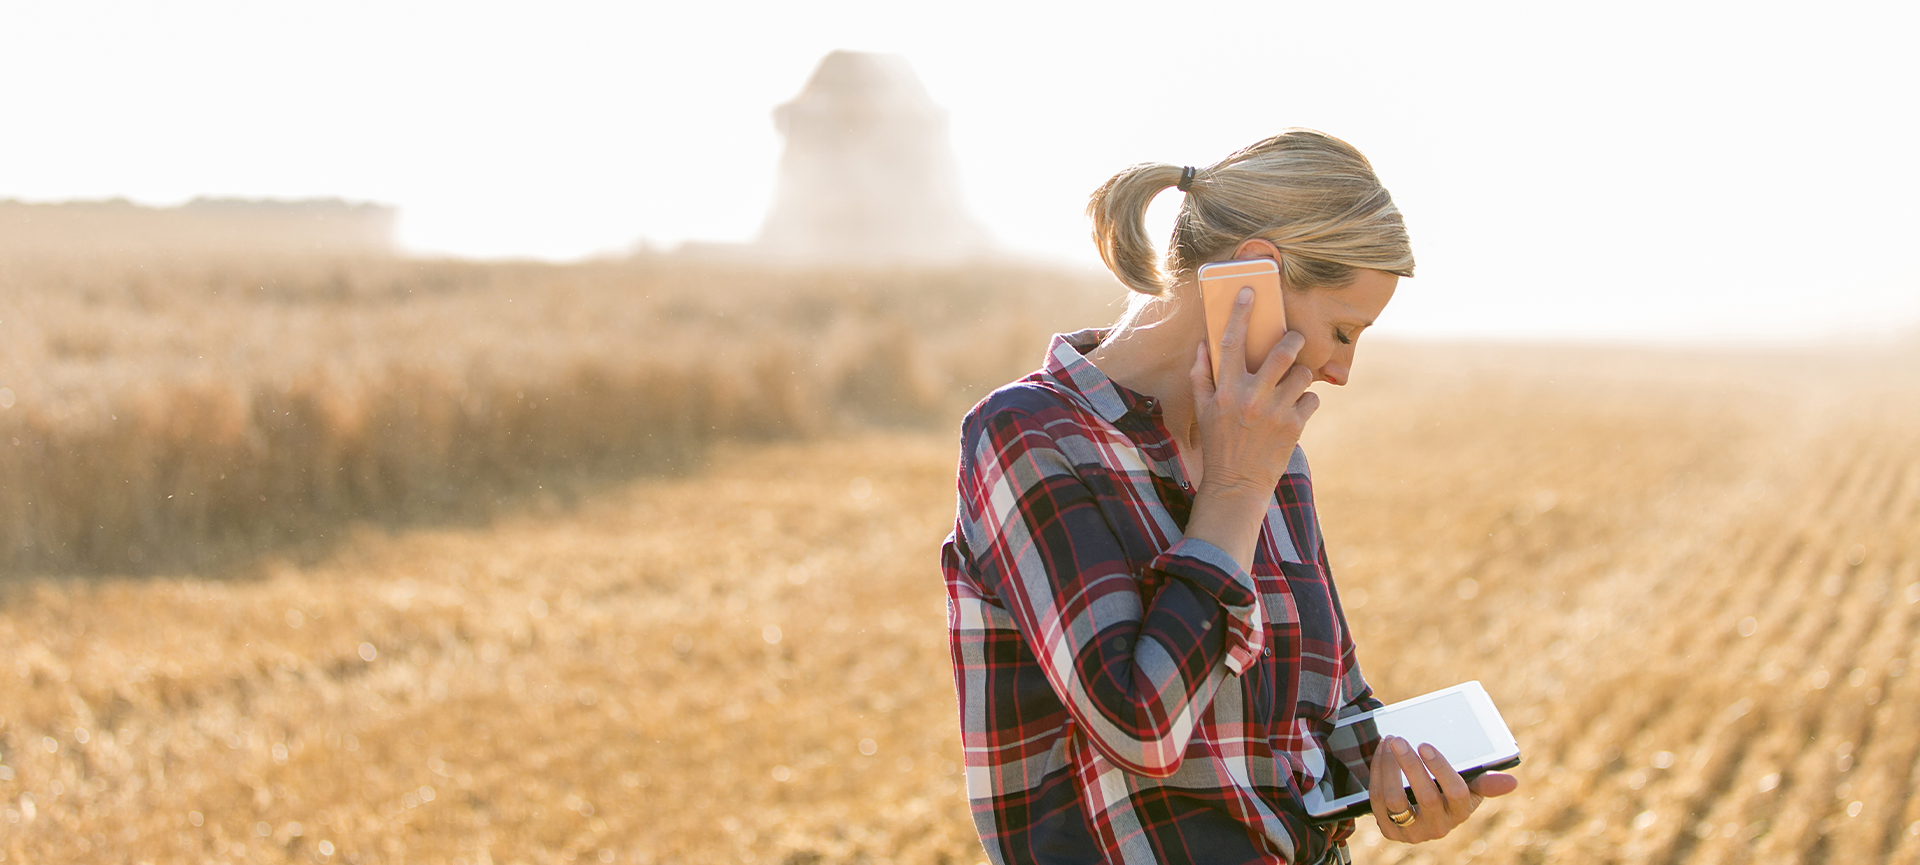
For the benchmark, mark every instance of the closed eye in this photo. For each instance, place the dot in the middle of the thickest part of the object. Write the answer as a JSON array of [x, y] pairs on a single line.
[[1342, 337]]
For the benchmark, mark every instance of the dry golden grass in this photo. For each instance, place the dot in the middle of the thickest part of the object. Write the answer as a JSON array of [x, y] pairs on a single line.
[[161, 411], [1691, 581]]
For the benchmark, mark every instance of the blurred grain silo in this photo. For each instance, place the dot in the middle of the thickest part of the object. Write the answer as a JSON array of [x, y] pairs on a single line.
[[868, 175]]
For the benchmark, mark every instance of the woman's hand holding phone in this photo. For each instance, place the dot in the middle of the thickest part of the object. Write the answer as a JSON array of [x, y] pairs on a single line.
[[1441, 799], [1249, 423]]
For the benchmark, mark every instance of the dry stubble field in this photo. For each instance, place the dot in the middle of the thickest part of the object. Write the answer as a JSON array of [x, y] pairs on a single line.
[[1692, 581]]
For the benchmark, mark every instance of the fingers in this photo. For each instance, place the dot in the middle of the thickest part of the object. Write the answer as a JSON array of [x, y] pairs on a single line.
[[1306, 405], [1291, 387], [1288, 382], [1456, 798], [1233, 340], [1279, 359], [1387, 794], [1440, 797], [1425, 794]]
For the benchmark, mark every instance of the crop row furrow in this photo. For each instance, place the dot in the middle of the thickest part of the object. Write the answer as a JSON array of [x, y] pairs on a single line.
[[1835, 728], [1725, 767], [1729, 814], [1903, 508], [1718, 751], [1850, 468], [1902, 843], [1899, 705]]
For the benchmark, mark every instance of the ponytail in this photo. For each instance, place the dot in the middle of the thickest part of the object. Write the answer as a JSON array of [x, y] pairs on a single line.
[[1118, 210]]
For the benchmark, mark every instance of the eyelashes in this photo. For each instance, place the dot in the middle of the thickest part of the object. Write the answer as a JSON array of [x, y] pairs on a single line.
[[1342, 337]]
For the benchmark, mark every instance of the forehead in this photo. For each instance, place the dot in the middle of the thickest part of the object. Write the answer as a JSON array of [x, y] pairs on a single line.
[[1364, 297]]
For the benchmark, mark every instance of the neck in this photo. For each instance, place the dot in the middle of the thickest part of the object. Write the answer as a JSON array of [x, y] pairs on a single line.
[[1151, 351]]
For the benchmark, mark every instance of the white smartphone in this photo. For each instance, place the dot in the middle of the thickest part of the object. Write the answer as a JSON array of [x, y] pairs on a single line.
[[1460, 721]]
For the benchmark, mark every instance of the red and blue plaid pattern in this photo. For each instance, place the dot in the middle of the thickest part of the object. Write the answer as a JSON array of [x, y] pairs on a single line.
[[1128, 695]]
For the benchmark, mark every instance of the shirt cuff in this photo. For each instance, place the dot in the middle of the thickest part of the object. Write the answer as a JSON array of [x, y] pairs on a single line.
[[1209, 569]]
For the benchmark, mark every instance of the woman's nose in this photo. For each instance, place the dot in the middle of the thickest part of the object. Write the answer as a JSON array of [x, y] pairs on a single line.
[[1333, 373]]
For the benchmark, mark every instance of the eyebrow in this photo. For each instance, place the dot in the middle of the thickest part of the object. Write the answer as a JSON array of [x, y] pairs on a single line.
[[1362, 323]]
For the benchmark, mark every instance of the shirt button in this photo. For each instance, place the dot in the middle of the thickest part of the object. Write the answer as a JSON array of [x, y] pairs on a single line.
[[1269, 651]]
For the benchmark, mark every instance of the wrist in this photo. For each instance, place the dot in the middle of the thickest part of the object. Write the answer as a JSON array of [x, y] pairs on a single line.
[[1229, 516], [1234, 492]]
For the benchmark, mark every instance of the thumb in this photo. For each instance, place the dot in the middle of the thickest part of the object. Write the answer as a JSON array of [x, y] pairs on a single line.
[[1201, 374], [1494, 784]]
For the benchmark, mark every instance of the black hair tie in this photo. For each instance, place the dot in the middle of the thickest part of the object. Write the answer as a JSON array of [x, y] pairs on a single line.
[[1186, 178]]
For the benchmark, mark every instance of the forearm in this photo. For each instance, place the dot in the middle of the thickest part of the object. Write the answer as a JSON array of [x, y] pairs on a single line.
[[1134, 656]]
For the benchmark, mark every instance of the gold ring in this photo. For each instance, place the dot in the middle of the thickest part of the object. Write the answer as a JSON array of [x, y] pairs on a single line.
[[1403, 818]]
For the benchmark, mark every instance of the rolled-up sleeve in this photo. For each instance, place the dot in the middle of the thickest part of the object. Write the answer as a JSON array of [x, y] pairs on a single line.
[[1134, 655]]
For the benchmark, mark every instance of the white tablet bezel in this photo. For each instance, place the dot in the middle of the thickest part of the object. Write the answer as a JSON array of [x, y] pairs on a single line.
[[1505, 751]]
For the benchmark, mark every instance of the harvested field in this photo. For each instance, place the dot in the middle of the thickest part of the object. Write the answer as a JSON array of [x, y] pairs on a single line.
[[1692, 581]]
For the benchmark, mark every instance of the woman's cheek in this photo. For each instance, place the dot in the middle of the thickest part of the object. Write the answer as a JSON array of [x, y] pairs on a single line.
[[1315, 354]]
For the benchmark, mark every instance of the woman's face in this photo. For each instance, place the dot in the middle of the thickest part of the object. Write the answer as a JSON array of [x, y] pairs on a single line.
[[1332, 319]]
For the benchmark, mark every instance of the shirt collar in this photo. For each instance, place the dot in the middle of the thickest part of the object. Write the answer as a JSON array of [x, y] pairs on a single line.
[[1067, 363]]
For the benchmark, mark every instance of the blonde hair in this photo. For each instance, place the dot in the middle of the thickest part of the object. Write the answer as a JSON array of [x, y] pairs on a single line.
[[1311, 194]]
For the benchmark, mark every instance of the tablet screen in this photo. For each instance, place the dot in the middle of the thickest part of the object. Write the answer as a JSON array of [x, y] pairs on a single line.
[[1446, 720]]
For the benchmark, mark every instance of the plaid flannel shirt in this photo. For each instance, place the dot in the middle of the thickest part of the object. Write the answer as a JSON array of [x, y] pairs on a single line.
[[1126, 694]]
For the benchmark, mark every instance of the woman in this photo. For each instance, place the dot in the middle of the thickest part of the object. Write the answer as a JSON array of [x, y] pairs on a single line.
[[1147, 644]]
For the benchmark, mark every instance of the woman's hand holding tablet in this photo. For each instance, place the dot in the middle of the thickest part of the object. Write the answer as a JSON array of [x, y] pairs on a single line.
[[1441, 799], [1419, 754]]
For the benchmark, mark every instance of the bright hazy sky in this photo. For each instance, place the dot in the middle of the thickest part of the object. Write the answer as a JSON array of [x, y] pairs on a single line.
[[1671, 171]]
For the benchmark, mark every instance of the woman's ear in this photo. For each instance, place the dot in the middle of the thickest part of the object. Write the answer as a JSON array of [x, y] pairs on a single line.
[[1256, 247]]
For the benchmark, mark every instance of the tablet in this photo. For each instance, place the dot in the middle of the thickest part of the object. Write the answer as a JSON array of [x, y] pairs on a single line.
[[1460, 721]]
